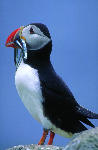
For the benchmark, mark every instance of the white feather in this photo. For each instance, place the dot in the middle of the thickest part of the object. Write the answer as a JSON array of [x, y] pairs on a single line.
[[28, 87]]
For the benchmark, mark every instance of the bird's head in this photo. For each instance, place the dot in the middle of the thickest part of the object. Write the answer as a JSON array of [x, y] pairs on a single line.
[[33, 37]]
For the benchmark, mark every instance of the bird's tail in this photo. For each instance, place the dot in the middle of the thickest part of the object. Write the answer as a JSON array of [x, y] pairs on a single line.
[[87, 113]]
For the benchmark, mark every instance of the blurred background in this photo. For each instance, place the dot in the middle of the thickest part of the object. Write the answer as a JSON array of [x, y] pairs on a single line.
[[74, 29]]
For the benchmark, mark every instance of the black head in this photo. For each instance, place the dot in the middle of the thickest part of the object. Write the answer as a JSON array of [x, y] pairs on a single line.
[[32, 39], [43, 28], [37, 36]]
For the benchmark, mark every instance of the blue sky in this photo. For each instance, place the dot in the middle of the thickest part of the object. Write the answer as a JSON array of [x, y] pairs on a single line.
[[73, 25]]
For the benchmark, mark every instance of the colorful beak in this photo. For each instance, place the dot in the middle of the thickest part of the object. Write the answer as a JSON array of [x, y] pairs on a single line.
[[11, 39], [15, 39]]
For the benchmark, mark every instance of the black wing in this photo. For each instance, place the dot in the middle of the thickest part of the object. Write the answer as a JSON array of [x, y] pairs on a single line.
[[60, 105]]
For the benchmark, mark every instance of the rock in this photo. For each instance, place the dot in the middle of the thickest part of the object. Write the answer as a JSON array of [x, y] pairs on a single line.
[[86, 140], [35, 147]]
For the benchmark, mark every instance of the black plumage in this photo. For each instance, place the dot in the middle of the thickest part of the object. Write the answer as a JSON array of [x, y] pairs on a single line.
[[59, 103]]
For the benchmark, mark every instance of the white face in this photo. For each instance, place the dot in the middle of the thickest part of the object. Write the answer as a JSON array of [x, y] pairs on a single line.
[[35, 37]]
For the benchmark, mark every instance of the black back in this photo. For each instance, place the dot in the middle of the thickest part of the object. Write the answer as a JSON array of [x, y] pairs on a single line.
[[59, 104]]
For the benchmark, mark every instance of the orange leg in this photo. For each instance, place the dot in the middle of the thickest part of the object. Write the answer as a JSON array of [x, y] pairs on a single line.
[[42, 140], [52, 134]]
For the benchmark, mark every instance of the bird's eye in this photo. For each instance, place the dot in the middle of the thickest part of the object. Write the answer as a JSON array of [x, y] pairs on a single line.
[[31, 30]]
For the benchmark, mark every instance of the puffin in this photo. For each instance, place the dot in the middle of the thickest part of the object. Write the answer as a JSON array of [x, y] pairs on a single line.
[[42, 91]]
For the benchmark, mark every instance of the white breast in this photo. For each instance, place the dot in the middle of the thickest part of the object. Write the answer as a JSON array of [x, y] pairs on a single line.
[[28, 87]]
